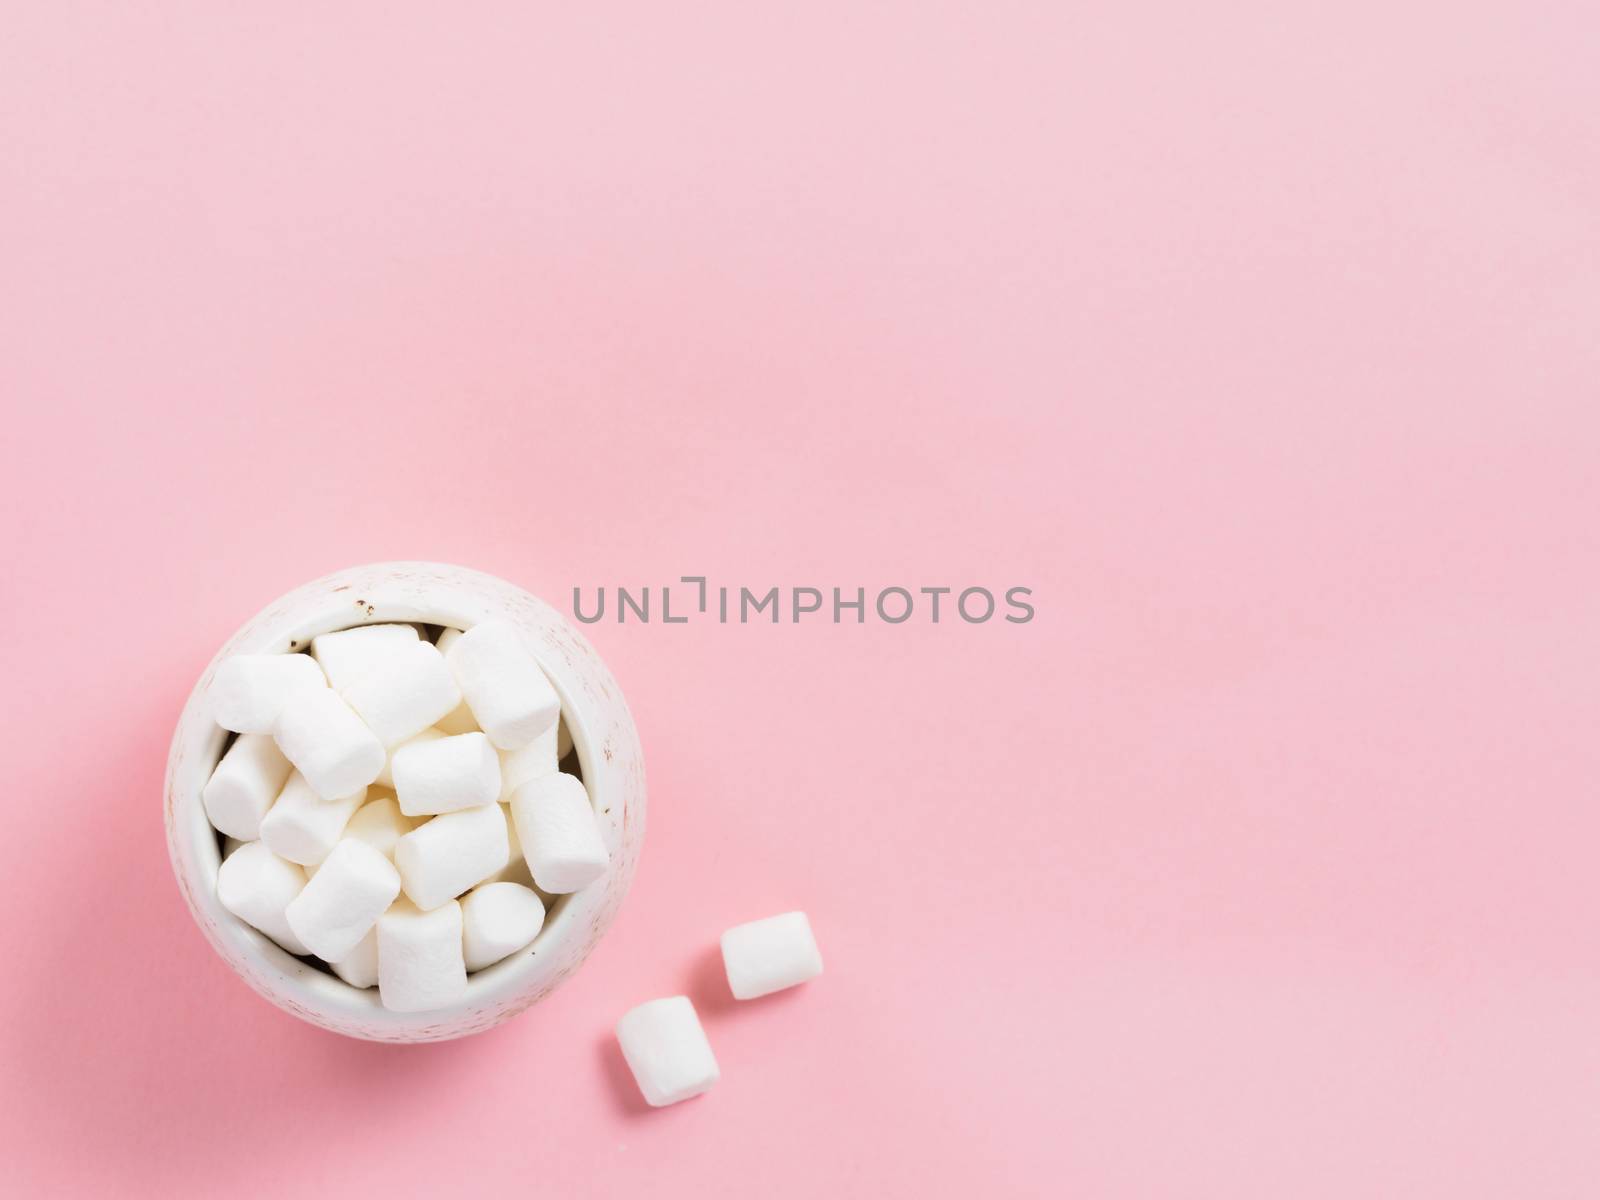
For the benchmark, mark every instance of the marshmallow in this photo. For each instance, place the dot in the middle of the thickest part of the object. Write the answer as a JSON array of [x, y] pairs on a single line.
[[534, 761], [380, 823], [335, 910], [447, 855], [405, 693], [386, 776], [447, 637], [349, 654], [359, 968], [248, 691], [667, 1050], [502, 683], [420, 963], [322, 736], [256, 886], [560, 837], [496, 919], [770, 955], [244, 785], [446, 774], [302, 827]]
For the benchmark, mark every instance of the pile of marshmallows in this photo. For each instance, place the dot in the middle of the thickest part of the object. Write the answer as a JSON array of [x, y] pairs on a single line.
[[396, 807]]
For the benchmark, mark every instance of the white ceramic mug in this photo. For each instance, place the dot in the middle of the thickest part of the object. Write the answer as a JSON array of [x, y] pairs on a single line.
[[603, 735]]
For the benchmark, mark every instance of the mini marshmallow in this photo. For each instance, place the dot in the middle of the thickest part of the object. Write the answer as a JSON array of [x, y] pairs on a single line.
[[502, 683], [325, 740], [380, 823], [335, 910], [405, 693], [446, 774], [359, 968], [256, 886], [770, 955], [447, 637], [349, 654], [497, 919], [420, 963], [559, 834], [667, 1050], [386, 776], [302, 827], [249, 690], [449, 854], [244, 785], [534, 761]]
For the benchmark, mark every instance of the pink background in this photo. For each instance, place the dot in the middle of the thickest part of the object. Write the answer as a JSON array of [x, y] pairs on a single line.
[[1259, 341]]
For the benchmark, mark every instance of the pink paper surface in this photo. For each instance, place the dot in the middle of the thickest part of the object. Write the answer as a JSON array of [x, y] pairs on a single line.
[[1260, 342]]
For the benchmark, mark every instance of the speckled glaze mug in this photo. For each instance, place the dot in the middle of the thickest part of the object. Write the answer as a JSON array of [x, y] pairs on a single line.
[[603, 735]]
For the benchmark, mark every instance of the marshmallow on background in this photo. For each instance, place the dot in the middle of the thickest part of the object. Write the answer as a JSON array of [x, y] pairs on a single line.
[[534, 761], [667, 1050], [303, 827], [380, 823], [349, 654], [446, 774], [328, 743], [497, 919], [404, 693], [249, 690], [244, 785], [503, 684], [386, 776], [257, 886], [337, 908], [359, 968], [420, 960], [449, 854], [770, 955], [559, 835]]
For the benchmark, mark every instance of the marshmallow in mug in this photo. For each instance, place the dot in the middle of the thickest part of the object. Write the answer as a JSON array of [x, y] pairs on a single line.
[[503, 684], [244, 785], [421, 964], [303, 827], [354, 886], [329, 743], [441, 775], [559, 834], [405, 693], [444, 857], [257, 886]]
